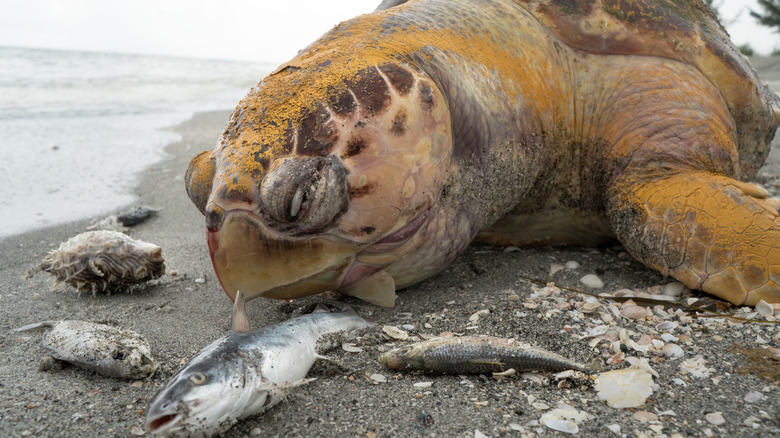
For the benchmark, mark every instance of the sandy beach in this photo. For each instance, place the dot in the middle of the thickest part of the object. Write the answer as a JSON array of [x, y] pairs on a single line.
[[486, 292]]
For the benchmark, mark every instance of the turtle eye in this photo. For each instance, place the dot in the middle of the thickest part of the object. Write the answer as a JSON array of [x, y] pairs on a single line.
[[198, 378], [304, 195]]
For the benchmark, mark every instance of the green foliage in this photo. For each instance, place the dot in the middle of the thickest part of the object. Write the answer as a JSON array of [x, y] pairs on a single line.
[[746, 50], [771, 14]]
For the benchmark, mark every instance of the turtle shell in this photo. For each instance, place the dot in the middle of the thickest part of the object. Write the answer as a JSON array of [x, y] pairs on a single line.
[[683, 30]]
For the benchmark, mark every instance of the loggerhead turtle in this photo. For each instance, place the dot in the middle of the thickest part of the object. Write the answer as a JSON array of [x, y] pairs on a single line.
[[373, 158]]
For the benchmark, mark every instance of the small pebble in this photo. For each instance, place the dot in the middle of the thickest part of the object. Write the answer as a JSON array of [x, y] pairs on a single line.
[[715, 418], [555, 267], [423, 384], [200, 280], [753, 397], [256, 432], [615, 428], [36, 296], [592, 281], [572, 265], [478, 434]]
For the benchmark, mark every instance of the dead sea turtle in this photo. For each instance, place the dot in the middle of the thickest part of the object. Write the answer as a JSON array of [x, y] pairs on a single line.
[[373, 158]]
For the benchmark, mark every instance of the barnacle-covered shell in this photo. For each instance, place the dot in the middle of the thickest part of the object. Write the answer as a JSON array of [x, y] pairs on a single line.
[[104, 260], [98, 347]]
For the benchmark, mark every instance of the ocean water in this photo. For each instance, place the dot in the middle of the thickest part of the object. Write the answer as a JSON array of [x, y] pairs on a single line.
[[77, 128]]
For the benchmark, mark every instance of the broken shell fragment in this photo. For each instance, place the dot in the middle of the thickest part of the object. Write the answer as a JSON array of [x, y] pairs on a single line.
[[626, 388], [395, 332], [103, 260]]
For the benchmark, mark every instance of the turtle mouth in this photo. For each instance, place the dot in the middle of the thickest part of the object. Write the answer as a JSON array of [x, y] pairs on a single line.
[[259, 261], [382, 252]]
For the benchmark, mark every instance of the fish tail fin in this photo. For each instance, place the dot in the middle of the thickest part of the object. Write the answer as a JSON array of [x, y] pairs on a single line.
[[321, 308], [37, 325]]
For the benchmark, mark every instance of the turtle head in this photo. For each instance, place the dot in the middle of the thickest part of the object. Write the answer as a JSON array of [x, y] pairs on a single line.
[[324, 179]]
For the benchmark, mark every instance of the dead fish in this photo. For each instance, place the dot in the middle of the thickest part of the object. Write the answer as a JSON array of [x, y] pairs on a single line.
[[103, 260], [136, 215], [475, 355], [98, 347], [243, 373]]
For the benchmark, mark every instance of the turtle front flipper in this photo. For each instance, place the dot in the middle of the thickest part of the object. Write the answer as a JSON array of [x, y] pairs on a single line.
[[710, 232]]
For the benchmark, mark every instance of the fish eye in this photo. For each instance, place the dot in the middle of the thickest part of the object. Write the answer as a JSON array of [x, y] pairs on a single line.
[[119, 355], [198, 378]]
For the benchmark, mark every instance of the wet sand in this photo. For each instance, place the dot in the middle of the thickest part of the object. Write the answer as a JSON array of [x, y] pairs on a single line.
[[179, 315]]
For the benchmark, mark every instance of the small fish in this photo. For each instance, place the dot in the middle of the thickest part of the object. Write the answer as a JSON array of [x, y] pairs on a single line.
[[98, 347], [103, 260], [243, 373], [136, 215], [475, 355]]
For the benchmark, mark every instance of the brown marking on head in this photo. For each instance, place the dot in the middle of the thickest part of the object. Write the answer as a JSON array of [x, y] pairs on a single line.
[[399, 123], [426, 96], [354, 147], [367, 230], [371, 90], [316, 134], [342, 104], [400, 79], [367, 189]]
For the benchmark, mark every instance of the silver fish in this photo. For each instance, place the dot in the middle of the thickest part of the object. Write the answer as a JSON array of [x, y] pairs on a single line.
[[476, 355], [243, 373], [98, 347]]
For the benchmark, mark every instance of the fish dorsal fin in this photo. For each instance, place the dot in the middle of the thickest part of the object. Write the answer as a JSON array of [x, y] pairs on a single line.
[[240, 320], [321, 308]]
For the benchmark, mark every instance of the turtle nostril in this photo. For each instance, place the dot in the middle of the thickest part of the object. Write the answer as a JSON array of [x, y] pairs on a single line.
[[214, 217]]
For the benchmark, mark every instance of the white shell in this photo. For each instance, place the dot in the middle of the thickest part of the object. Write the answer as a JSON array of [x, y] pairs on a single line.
[[101, 260], [626, 388]]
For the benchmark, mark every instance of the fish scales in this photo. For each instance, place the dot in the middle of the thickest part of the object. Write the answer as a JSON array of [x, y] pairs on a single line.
[[475, 355]]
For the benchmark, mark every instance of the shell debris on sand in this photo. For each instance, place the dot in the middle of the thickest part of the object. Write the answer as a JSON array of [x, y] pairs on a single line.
[[103, 260], [104, 349]]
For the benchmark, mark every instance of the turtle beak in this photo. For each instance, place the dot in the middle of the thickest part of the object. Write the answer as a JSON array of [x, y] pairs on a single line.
[[250, 257]]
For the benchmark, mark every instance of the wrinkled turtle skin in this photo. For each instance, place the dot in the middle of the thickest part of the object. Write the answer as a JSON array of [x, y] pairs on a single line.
[[373, 158]]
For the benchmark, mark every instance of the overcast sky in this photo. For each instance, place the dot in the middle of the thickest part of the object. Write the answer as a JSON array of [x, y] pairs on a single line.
[[255, 30]]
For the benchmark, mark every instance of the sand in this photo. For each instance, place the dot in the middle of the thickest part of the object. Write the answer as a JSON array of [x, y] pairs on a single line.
[[179, 315]]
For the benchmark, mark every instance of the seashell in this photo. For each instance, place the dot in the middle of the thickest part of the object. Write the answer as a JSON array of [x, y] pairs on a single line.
[[696, 367], [98, 347], [632, 311], [564, 426], [645, 416], [572, 265], [674, 289], [592, 281], [764, 309], [626, 388], [350, 348], [395, 332], [103, 260], [667, 325], [377, 378], [672, 350]]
